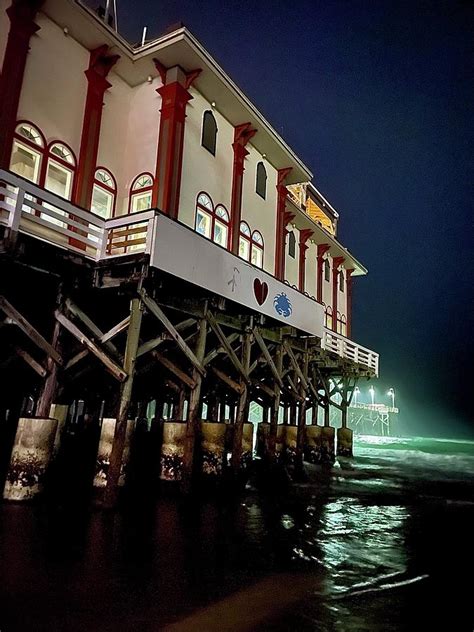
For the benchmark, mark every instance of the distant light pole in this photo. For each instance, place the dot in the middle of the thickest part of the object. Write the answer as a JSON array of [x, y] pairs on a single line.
[[391, 393], [372, 394], [356, 393]]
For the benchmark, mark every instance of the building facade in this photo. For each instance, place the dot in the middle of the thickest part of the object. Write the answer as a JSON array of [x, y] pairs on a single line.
[[114, 131]]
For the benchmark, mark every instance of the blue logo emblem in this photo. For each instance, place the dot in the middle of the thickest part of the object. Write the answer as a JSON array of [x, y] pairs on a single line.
[[282, 305]]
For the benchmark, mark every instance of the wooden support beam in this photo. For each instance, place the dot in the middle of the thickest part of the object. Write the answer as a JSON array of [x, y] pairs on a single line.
[[242, 405], [123, 324], [110, 365], [130, 357], [97, 333], [228, 348], [266, 389], [295, 364], [275, 409], [171, 366], [235, 386], [194, 410], [261, 343], [36, 366], [152, 307], [220, 349], [29, 330], [302, 412], [148, 346]]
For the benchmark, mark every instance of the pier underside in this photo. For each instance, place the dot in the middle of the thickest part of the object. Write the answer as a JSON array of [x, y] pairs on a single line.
[[122, 340]]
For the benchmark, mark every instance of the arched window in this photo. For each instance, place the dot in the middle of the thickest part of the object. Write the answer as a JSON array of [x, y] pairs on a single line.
[[328, 317], [261, 180], [245, 241], [342, 324], [209, 132], [60, 170], [27, 152], [104, 193], [212, 222], [221, 226], [59, 175], [256, 254], [140, 193], [341, 281], [291, 244], [327, 270]]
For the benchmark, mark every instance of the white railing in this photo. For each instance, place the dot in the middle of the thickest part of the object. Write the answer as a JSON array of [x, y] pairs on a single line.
[[345, 348], [29, 209]]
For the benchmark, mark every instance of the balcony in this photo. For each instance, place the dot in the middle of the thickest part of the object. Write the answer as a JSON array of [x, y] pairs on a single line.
[[349, 350]]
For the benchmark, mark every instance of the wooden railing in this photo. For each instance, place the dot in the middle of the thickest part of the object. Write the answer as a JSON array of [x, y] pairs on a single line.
[[29, 209], [345, 348]]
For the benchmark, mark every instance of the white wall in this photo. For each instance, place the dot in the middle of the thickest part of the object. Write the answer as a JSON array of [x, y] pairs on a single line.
[[54, 85], [143, 127], [260, 213], [201, 170]]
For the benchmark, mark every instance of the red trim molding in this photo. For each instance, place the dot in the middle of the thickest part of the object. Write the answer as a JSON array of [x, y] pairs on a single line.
[[349, 274], [22, 15], [169, 162], [322, 250], [100, 64], [242, 134], [280, 237], [336, 264], [305, 234]]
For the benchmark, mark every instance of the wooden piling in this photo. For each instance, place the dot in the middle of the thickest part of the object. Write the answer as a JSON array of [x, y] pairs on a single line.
[[133, 339]]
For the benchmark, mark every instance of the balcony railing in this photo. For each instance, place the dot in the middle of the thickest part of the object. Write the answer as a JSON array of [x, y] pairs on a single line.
[[31, 210], [349, 350]]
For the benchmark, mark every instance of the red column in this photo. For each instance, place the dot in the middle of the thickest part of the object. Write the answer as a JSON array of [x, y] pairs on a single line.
[[242, 134], [349, 301], [22, 14], [100, 64], [322, 250], [280, 235], [303, 247], [174, 98], [336, 264]]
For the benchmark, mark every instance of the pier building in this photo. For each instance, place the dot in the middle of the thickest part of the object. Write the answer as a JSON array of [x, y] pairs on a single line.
[[162, 247]]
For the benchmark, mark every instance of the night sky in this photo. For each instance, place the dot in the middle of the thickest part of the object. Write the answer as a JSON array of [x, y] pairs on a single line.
[[375, 97]]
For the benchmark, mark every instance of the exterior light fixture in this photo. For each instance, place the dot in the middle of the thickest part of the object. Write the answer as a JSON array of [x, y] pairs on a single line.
[[213, 104], [391, 393]]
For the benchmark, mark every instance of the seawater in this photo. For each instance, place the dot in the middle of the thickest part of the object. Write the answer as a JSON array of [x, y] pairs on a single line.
[[382, 542]]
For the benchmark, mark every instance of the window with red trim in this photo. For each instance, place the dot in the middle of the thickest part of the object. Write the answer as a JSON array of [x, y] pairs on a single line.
[[251, 245], [341, 324], [28, 152], [140, 193], [328, 317], [212, 221], [104, 193]]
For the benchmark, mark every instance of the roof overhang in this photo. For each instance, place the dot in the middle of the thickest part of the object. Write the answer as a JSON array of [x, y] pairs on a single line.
[[178, 48]]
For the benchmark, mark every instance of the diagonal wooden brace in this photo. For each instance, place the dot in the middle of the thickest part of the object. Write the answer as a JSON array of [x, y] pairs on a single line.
[[109, 364], [29, 330]]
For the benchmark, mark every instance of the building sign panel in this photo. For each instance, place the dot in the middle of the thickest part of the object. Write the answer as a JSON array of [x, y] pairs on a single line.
[[183, 253]]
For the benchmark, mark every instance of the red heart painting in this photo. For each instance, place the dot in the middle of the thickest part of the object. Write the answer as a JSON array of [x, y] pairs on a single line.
[[260, 289]]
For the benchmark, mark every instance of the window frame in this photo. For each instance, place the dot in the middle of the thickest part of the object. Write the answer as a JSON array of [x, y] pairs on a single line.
[[209, 115], [328, 317], [327, 271], [292, 244], [213, 217], [134, 193], [255, 246], [260, 173], [40, 149], [341, 281], [110, 190]]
